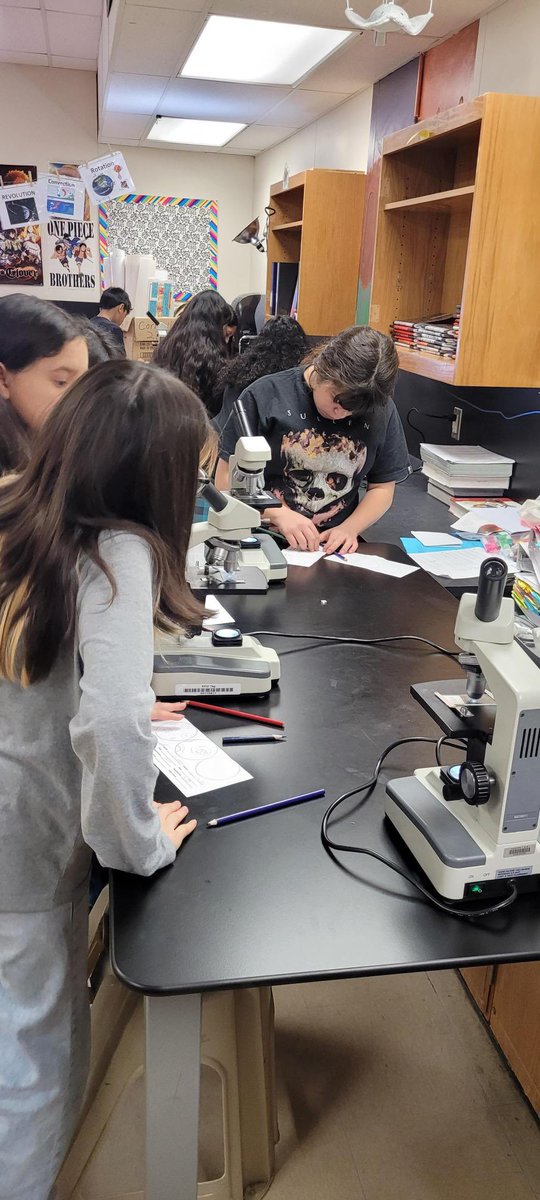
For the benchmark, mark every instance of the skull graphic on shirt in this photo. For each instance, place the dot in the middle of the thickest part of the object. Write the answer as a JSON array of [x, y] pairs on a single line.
[[320, 471]]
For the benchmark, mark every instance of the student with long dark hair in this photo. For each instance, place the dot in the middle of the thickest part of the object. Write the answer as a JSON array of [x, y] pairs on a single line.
[[42, 352], [197, 345], [92, 557], [280, 345]]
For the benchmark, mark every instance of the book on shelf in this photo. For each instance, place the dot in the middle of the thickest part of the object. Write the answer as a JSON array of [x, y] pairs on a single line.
[[437, 335]]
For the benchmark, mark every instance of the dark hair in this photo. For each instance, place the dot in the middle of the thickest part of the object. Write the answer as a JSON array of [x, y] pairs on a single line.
[[195, 348], [30, 329], [102, 345], [114, 296], [146, 431], [281, 344], [363, 365]]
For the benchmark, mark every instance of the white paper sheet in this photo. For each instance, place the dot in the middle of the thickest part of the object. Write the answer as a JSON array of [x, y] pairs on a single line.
[[192, 761], [217, 614], [452, 564], [302, 558], [373, 562], [435, 539], [507, 519]]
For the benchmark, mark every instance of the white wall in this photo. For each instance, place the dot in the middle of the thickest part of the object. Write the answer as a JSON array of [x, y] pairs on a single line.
[[508, 50], [56, 120], [338, 141]]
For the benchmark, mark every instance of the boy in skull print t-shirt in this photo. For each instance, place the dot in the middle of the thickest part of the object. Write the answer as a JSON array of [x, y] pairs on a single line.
[[331, 426]]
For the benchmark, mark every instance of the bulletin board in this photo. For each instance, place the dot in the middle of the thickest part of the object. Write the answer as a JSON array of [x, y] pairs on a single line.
[[181, 234]]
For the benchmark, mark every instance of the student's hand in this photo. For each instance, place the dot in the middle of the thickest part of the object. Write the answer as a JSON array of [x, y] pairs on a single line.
[[173, 823], [163, 711], [300, 532], [342, 539]]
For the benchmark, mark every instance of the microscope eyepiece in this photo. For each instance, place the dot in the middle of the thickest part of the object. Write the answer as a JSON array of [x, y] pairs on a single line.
[[491, 583]]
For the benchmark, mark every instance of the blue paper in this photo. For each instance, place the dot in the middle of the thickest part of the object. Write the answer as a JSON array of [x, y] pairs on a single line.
[[412, 546]]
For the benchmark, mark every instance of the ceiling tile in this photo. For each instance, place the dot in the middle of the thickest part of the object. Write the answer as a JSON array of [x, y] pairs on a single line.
[[87, 8], [22, 29], [258, 137], [175, 5], [21, 3], [199, 98], [73, 64], [153, 41], [24, 60], [360, 63], [134, 93], [299, 108], [118, 125], [72, 35], [327, 13]]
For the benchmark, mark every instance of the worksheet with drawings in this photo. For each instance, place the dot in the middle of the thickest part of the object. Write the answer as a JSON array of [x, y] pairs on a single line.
[[193, 761]]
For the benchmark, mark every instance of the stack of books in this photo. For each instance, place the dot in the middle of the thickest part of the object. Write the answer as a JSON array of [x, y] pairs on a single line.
[[464, 472], [437, 335]]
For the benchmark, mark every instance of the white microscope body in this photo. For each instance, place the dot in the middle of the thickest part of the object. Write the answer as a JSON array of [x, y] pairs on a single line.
[[223, 662], [469, 846]]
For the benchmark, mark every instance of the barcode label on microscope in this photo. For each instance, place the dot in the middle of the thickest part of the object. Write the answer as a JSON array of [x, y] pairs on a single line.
[[515, 851]]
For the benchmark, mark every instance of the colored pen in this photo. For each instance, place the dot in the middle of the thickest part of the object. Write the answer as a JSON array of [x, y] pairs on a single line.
[[338, 555], [265, 808], [251, 741], [235, 712]]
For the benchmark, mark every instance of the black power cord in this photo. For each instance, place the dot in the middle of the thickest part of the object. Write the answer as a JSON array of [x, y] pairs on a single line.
[[333, 639], [430, 417], [330, 845]]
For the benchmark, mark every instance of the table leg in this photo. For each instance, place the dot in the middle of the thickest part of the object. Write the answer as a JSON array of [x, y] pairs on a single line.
[[172, 1073]]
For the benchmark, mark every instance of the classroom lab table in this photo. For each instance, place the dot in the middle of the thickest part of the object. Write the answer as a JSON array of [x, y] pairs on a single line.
[[261, 902]]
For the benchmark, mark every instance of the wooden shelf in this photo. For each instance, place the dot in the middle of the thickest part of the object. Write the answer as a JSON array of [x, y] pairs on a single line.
[[287, 227], [454, 200], [427, 364]]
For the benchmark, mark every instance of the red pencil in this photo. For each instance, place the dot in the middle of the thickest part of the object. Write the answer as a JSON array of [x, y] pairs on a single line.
[[235, 712]]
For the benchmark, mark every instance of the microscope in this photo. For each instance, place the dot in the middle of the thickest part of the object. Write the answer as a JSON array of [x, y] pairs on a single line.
[[224, 662], [246, 483], [474, 827]]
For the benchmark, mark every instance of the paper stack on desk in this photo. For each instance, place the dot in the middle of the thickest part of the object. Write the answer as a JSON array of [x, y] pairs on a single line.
[[465, 470], [453, 564]]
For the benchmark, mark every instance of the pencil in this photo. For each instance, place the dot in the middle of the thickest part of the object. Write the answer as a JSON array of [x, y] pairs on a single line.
[[235, 712], [265, 808]]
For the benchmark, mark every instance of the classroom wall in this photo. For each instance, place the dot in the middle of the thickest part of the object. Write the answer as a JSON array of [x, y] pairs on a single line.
[[508, 50], [338, 141], [56, 119]]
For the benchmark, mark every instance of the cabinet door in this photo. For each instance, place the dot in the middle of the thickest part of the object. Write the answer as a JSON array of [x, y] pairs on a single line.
[[515, 1021], [479, 983]]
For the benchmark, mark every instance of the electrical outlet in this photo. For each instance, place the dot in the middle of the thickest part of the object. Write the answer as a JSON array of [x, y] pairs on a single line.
[[456, 423]]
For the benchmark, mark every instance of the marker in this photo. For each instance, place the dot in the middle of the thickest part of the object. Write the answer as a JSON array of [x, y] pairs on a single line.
[[235, 712], [338, 555], [251, 741], [265, 808]]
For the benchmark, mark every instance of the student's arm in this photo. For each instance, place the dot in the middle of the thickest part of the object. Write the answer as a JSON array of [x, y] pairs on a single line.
[[222, 475], [111, 733], [344, 537], [300, 531]]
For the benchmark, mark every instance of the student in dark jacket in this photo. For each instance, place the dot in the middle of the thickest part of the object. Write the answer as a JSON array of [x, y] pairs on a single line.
[[281, 344], [114, 307]]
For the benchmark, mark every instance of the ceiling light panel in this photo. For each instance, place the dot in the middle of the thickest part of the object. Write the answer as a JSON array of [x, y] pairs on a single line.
[[193, 133], [239, 51]]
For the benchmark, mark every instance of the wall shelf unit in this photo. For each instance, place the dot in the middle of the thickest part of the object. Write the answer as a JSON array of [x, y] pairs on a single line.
[[316, 228], [458, 224]]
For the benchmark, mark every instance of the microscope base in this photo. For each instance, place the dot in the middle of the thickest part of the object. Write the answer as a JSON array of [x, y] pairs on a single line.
[[185, 667], [453, 851]]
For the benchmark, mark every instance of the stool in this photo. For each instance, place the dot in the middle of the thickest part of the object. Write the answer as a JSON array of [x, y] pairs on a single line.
[[237, 1042]]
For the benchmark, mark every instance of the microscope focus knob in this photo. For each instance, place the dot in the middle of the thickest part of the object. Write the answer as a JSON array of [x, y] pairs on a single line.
[[475, 783]]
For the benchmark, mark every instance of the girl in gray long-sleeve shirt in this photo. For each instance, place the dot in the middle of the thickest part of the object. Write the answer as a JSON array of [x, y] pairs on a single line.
[[93, 538]]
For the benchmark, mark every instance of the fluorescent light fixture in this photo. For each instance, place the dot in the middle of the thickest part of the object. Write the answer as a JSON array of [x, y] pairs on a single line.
[[239, 51], [185, 132]]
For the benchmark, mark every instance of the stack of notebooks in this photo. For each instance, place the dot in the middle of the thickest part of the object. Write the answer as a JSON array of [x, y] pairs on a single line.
[[465, 472], [436, 336]]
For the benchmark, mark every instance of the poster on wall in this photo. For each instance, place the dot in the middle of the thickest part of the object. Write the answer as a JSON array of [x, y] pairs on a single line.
[[71, 171], [65, 197], [13, 173], [21, 204], [70, 256], [106, 178], [20, 256]]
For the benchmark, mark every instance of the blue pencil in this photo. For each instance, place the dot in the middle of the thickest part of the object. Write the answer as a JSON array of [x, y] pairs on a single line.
[[265, 808]]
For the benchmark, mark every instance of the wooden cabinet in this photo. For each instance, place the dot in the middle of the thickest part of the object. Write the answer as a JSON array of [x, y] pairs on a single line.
[[515, 1021], [315, 233], [480, 981], [458, 224]]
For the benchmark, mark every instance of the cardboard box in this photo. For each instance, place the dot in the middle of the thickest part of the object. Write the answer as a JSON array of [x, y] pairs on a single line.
[[141, 337]]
